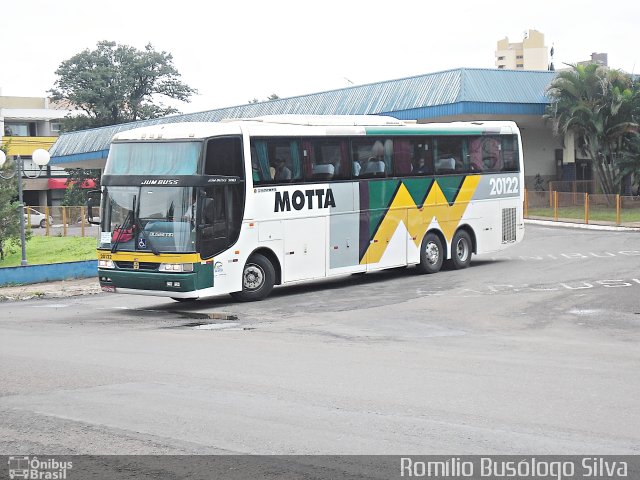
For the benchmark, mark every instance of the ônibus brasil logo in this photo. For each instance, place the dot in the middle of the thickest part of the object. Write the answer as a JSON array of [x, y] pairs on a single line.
[[33, 468]]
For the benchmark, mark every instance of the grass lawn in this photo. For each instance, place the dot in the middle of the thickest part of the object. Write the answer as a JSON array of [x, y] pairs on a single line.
[[44, 250]]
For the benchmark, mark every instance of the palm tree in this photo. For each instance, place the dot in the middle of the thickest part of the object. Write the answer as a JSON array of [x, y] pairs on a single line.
[[596, 105]]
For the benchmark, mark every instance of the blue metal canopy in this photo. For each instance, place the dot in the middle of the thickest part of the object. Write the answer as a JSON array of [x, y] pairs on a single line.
[[434, 95]]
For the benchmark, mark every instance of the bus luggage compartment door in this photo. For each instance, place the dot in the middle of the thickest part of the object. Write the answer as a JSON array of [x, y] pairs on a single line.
[[304, 248]]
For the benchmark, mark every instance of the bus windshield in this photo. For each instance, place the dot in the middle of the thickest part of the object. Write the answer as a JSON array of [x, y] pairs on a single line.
[[157, 158], [149, 218]]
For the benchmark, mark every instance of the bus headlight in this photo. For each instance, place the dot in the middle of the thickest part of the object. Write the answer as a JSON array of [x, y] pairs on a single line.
[[106, 264], [176, 267]]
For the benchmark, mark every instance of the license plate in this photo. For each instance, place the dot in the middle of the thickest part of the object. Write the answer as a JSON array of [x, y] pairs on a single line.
[[109, 288]]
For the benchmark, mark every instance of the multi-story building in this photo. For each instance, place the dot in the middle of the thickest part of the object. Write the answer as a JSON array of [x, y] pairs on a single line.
[[530, 54], [599, 58], [29, 123]]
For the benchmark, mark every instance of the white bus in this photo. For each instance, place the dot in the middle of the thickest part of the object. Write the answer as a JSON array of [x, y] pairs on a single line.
[[199, 209]]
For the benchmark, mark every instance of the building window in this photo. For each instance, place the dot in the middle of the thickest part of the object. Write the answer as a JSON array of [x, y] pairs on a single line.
[[55, 127], [500, 58], [20, 129], [519, 56]]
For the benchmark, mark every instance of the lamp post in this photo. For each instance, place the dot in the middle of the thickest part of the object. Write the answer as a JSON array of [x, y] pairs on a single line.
[[41, 158]]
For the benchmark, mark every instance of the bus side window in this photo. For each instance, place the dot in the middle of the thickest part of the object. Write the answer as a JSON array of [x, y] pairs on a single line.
[[326, 159], [413, 156], [260, 167], [403, 155], [510, 155], [374, 156], [224, 157], [275, 161], [485, 154], [449, 155]]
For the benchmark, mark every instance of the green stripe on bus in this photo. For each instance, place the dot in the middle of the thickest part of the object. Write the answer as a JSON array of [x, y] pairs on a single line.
[[381, 193], [450, 186], [409, 131], [418, 188]]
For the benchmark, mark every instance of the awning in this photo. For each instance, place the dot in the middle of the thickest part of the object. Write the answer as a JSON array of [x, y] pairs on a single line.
[[61, 184]]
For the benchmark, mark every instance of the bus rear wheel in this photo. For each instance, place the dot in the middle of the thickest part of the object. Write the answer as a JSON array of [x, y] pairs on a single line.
[[431, 254], [258, 278], [461, 250]]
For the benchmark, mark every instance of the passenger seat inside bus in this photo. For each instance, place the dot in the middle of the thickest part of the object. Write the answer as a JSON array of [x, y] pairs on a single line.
[[446, 165], [375, 167], [323, 171]]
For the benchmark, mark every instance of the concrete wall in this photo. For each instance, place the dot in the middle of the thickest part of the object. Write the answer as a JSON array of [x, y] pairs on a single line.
[[535, 59], [539, 147], [23, 102]]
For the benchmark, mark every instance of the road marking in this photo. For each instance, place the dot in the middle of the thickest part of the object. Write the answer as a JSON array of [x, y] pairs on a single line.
[[502, 288], [51, 305], [571, 256]]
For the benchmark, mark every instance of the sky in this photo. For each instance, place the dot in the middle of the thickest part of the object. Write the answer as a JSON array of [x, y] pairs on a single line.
[[235, 51]]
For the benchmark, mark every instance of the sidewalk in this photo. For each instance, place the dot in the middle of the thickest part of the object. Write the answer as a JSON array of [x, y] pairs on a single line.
[[61, 289]]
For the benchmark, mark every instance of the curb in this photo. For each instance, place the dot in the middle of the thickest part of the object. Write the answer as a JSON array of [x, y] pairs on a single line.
[[586, 226]]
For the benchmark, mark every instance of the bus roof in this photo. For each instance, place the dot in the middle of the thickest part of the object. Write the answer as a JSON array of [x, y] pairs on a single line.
[[279, 125]]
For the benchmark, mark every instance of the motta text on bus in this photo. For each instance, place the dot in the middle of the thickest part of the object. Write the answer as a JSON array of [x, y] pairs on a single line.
[[300, 199]]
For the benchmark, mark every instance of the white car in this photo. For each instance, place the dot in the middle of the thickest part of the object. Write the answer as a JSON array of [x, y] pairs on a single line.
[[38, 219]]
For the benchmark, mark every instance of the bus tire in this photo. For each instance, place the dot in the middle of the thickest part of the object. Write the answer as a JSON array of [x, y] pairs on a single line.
[[431, 254], [461, 250], [258, 278]]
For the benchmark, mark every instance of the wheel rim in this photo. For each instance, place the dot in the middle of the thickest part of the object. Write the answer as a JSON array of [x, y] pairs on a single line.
[[253, 277], [432, 253], [462, 250]]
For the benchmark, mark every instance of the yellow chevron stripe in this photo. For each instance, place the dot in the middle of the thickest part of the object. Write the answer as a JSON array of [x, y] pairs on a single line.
[[417, 220]]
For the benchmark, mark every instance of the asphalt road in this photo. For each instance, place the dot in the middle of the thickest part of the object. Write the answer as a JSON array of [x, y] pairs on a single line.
[[533, 351]]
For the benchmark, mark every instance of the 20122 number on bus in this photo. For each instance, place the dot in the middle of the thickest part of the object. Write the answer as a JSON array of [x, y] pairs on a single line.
[[505, 185]]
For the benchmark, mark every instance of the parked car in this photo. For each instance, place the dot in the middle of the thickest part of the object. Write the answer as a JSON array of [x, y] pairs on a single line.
[[38, 219]]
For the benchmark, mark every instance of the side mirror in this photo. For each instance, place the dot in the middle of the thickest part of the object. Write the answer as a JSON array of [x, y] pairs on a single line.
[[93, 199]]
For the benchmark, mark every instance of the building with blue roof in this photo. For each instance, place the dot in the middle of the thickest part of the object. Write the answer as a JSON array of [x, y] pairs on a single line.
[[451, 95]]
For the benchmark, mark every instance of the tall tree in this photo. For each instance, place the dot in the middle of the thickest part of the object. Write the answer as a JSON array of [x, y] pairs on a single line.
[[597, 105], [116, 84]]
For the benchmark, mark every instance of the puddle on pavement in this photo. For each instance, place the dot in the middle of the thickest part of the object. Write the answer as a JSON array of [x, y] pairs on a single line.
[[221, 321], [206, 315]]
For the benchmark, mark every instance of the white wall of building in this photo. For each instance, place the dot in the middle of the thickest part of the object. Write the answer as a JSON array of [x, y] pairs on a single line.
[[539, 146]]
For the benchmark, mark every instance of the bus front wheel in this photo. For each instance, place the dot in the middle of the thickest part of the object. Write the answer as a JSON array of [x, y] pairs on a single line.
[[258, 278], [431, 254], [461, 250]]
